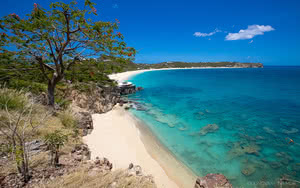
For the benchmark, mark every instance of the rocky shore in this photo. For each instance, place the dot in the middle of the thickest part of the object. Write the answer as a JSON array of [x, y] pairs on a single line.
[[103, 100], [98, 157], [129, 147]]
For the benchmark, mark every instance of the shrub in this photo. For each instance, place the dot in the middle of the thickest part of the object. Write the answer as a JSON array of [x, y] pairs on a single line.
[[55, 141], [33, 87], [67, 119], [19, 123], [12, 99], [62, 102]]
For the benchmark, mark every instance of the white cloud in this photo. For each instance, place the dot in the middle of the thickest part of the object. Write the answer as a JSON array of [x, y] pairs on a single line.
[[250, 32], [199, 34]]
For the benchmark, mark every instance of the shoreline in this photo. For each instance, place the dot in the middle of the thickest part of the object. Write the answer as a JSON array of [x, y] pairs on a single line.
[[124, 76], [123, 139], [134, 142], [176, 171]]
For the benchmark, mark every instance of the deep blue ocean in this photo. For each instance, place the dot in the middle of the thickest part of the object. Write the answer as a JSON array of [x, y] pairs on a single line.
[[238, 122]]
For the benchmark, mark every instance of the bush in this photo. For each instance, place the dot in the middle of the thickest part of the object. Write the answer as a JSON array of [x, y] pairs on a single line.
[[30, 86], [67, 119], [82, 87], [55, 141], [62, 102], [12, 99]]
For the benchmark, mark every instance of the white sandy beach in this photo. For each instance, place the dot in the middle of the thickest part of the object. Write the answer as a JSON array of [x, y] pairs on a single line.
[[118, 136], [123, 76]]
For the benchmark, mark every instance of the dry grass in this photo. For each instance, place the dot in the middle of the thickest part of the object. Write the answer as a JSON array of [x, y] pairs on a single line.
[[89, 179], [67, 119], [40, 160], [8, 167], [18, 98]]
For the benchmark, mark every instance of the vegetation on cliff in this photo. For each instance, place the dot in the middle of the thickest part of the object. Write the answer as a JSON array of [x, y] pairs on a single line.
[[54, 40], [43, 148], [48, 58]]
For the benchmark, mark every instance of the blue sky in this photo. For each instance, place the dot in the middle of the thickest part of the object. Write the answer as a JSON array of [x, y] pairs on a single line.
[[195, 30]]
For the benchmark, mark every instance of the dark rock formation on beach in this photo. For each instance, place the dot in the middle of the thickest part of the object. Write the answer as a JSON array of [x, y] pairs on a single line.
[[101, 99], [129, 89], [212, 181]]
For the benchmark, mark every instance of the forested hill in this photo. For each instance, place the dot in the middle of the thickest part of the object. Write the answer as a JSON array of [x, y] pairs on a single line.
[[178, 64]]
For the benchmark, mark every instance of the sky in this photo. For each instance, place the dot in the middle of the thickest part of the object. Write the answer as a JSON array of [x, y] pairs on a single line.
[[265, 31]]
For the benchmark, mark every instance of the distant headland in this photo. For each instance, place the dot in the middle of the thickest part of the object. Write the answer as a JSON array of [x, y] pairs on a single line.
[[180, 64]]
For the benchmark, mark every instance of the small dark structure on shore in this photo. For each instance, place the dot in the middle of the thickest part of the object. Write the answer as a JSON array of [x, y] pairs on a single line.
[[127, 88]]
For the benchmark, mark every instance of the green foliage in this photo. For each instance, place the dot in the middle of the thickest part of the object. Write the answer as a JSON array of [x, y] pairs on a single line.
[[25, 85], [95, 70], [62, 29], [51, 41], [14, 67], [63, 102], [18, 152], [55, 141], [82, 87], [12, 99]]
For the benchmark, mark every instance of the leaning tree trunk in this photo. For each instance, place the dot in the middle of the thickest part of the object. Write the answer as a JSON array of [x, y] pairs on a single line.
[[51, 88]]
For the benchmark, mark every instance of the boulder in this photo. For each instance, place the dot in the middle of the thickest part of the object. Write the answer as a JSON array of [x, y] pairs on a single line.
[[81, 152], [85, 122], [35, 146], [134, 170], [130, 166], [127, 89], [212, 181]]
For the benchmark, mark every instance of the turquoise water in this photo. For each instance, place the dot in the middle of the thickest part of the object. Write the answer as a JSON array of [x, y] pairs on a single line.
[[237, 122]]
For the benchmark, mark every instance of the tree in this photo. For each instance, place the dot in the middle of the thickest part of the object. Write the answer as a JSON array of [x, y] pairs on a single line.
[[54, 142], [58, 38], [18, 123]]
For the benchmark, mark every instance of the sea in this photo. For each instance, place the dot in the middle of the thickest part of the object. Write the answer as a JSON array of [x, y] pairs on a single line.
[[241, 122]]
